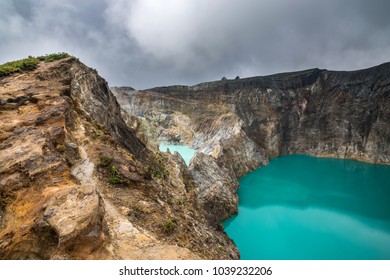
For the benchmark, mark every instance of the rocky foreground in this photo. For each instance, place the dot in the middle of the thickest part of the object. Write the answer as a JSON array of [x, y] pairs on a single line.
[[77, 183], [237, 125]]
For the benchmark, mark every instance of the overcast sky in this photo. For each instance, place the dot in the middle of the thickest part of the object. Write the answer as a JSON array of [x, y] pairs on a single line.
[[146, 43]]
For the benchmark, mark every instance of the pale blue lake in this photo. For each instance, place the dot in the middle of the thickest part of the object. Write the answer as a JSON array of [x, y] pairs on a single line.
[[186, 152], [302, 207]]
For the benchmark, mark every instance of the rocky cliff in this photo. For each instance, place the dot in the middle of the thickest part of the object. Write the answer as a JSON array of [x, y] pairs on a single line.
[[237, 125], [76, 182]]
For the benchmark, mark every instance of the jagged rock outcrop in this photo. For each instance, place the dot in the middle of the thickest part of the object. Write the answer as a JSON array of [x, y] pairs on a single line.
[[239, 124], [77, 183]]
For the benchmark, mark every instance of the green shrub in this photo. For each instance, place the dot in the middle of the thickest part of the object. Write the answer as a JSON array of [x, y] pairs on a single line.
[[168, 226], [157, 168], [114, 180], [8, 68], [53, 57], [114, 175], [114, 170], [181, 201], [29, 63], [97, 124], [98, 129], [105, 161], [98, 132], [158, 171]]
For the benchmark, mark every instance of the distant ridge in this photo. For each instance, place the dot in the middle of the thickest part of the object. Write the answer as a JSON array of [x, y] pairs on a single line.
[[278, 80]]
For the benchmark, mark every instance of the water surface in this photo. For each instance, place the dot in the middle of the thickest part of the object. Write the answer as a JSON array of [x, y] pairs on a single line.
[[302, 207], [186, 152]]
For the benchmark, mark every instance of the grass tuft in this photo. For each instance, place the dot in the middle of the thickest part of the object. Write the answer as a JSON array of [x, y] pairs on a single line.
[[168, 226], [29, 63]]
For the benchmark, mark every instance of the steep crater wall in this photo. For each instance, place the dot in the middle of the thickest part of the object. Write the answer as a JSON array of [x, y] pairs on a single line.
[[237, 125]]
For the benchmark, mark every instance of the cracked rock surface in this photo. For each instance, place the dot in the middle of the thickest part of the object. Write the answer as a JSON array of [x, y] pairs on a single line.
[[76, 182]]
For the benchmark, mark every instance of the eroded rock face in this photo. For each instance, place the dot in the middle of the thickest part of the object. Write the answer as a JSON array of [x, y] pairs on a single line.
[[73, 212], [216, 188], [77, 183], [239, 124]]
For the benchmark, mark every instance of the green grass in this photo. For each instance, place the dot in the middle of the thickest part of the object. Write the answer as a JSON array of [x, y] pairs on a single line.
[[53, 57], [28, 63], [157, 169], [105, 161], [114, 175], [18, 66], [168, 226]]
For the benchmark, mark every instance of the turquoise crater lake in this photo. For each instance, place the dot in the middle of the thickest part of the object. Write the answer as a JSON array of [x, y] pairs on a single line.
[[302, 207]]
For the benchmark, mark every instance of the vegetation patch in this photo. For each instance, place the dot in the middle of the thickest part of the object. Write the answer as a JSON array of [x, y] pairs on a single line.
[[105, 161], [181, 201], [53, 57], [168, 226], [28, 63], [98, 132], [114, 176], [18, 66], [99, 129], [157, 169]]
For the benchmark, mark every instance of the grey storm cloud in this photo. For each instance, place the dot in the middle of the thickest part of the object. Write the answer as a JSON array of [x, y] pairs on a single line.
[[145, 43]]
